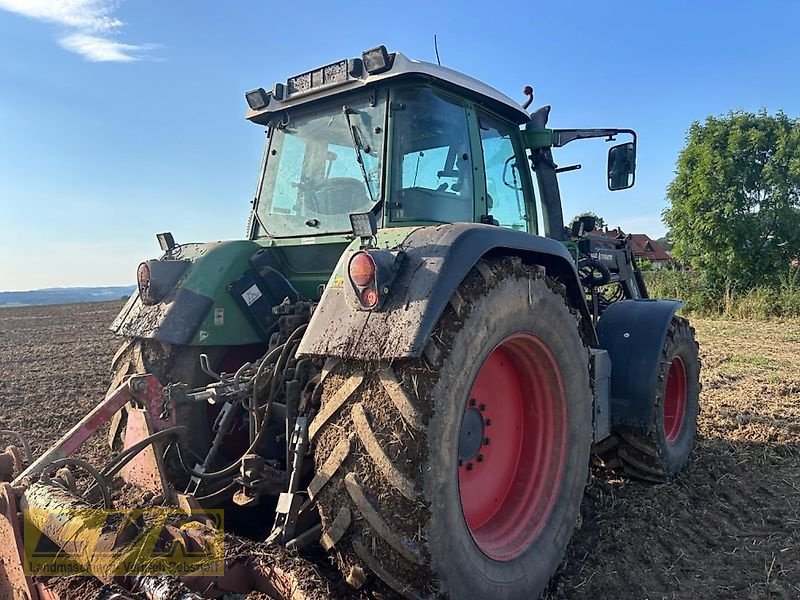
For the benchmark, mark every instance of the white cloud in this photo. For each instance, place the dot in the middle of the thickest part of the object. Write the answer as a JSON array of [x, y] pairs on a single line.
[[89, 27], [99, 49]]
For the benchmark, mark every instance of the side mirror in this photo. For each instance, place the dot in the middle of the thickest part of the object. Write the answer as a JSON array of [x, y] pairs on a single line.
[[621, 166]]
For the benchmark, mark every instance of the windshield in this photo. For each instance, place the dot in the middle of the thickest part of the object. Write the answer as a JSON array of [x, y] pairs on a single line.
[[313, 179]]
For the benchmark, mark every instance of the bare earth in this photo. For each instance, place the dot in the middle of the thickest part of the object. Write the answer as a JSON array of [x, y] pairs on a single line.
[[727, 528]]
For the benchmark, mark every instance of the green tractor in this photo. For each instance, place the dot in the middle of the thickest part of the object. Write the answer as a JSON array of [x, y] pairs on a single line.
[[398, 363]]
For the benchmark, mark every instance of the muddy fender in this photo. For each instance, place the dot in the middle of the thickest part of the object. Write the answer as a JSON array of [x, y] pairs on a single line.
[[437, 259], [197, 308], [633, 332]]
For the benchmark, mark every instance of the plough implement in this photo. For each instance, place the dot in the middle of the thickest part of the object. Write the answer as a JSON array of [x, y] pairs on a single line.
[[133, 548]]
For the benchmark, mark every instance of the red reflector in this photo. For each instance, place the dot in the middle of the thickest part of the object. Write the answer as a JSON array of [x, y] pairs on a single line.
[[362, 269], [369, 297]]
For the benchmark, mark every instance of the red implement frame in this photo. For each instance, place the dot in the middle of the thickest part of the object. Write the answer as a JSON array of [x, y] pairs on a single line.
[[141, 390]]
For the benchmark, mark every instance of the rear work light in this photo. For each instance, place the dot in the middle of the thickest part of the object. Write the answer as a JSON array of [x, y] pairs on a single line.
[[362, 269]]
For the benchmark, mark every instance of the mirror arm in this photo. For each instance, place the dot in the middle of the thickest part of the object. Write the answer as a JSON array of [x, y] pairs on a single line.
[[568, 168], [562, 137]]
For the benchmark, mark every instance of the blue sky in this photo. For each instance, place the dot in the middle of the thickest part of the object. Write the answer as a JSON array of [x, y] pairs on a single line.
[[119, 119]]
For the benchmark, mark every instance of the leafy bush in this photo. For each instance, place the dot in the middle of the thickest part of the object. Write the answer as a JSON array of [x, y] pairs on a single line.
[[710, 298]]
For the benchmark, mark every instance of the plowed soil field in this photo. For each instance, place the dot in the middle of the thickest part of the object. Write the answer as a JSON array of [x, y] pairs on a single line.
[[729, 527]]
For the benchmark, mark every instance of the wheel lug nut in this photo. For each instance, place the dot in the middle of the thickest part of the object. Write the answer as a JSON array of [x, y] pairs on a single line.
[[486, 441], [460, 462], [488, 421], [472, 402], [479, 458], [482, 407], [469, 466]]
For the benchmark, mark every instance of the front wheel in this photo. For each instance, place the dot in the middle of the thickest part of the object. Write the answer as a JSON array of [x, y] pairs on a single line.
[[664, 451], [461, 475]]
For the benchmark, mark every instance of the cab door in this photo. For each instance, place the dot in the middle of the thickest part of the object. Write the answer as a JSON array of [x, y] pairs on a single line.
[[503, 165]]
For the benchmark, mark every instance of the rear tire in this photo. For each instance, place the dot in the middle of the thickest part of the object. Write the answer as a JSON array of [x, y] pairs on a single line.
[[170, 364], [395, 497]]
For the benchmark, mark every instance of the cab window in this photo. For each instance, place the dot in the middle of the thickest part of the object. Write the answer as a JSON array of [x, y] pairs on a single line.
[[505, 199], [432, 162]]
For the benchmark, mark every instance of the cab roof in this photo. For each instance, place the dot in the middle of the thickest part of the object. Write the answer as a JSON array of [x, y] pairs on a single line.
[[338, 78]]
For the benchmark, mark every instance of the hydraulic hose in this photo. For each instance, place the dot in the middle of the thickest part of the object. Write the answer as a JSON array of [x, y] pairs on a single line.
[[99, 479], [231, 468]]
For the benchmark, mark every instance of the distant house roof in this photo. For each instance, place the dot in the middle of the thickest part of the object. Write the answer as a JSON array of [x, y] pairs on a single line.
[[643, 246]]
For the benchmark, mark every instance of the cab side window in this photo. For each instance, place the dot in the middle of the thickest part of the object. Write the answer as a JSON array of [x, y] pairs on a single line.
[[505, 199], [432, 162]]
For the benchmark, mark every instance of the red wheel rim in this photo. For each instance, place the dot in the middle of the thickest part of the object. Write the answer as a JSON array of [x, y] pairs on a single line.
[[513, 446], [675, 400]]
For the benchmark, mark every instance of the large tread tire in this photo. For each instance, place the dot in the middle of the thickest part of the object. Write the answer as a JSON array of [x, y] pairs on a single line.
[[652, 457], [170, 364], [385, 444]]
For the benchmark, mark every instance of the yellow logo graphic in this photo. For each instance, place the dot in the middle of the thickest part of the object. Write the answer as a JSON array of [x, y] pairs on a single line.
[[108, 543]]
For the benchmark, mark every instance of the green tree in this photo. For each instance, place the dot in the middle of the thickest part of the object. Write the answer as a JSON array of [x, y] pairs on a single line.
[[733, 205]]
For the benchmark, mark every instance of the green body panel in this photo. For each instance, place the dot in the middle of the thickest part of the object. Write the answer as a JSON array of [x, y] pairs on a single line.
[[306, 262], [218, 266], [214, 267], [537, 138], [214, 264], [322, 252]]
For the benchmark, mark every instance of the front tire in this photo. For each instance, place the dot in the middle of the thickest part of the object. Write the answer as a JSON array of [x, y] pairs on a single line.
[[461, 474], [664, 451]]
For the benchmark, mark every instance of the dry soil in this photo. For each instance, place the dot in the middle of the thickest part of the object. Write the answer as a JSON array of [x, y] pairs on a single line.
[[729, 527]]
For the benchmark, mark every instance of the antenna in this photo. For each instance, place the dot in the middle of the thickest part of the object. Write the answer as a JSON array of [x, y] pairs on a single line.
[[436, 47]]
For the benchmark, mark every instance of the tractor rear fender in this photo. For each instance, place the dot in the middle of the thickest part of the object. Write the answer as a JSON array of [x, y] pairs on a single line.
[[437, 259], [197, 308], [634, 332]]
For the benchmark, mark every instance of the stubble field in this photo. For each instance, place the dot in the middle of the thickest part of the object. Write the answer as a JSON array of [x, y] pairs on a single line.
[[729, 527]]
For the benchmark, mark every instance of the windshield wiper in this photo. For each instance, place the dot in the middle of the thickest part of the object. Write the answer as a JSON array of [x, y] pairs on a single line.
[[358, 147]]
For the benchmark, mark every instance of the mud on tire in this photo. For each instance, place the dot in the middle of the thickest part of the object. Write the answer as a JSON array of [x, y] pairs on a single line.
[[170, 364], [387, 440]]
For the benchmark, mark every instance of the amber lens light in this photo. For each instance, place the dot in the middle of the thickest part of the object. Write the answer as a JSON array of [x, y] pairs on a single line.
[[369, 297], [362, 269]]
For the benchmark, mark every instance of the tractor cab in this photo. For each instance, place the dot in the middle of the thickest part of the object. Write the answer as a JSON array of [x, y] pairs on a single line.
[[411, 142]]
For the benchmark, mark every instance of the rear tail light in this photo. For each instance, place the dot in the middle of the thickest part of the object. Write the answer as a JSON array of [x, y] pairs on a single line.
[[362, 269], [370, 297], [372, 273], [143, 279], [157, 278]]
